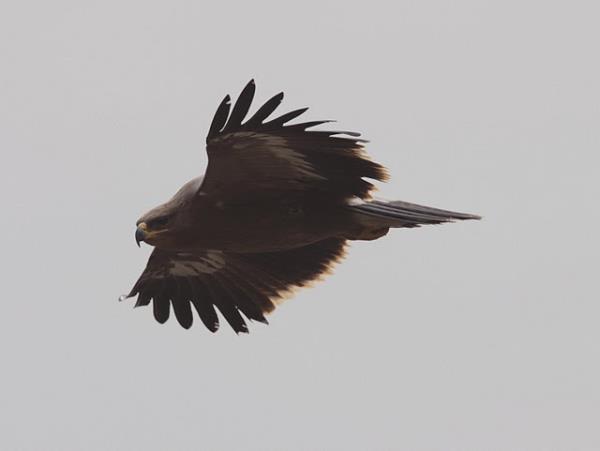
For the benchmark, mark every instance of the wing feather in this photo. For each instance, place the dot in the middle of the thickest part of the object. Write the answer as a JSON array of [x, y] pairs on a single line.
[[305, 125], [236, 284], [227, 305], [251, 303], [261, 159], [161, 307], [284, 118], [264, 111], [183, 311], [143, 299], [203, 303], [220, 118], [241, 107]]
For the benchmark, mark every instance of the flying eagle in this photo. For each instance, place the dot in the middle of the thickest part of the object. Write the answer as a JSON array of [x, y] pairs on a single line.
[[273, 213]]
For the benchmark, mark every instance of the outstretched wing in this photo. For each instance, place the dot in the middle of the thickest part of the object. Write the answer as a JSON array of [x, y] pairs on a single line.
[[251, 284], [266, 158]]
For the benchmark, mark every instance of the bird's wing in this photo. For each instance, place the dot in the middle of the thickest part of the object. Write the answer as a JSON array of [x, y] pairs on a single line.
[[248, 283], [264, 158]]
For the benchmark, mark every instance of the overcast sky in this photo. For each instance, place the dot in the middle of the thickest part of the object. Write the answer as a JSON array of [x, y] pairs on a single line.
[[471, 336]]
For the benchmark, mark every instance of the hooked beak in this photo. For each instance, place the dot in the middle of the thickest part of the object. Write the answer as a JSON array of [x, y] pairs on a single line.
[[140, 233]]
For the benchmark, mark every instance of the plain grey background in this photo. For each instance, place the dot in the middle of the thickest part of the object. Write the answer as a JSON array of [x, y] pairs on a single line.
[[471, 336]]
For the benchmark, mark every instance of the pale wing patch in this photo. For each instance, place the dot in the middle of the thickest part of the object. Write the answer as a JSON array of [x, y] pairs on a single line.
[[354, 201], [275, 146], [188, 265]]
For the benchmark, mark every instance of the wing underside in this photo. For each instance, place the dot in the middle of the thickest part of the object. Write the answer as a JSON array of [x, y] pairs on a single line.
[[236, 285]]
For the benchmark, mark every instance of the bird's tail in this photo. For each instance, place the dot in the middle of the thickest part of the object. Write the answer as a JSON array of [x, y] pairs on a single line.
[[403, 214]]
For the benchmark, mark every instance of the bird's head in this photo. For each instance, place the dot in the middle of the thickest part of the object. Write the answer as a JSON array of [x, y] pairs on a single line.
[[155, 226], [163, 225]]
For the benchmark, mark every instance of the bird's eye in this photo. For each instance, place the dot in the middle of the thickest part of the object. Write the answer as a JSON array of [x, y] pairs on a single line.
[[158, 223]]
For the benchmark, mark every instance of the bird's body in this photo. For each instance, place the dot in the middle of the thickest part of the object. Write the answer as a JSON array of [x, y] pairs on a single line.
[[273, 212], [268, 227], [262, 225]]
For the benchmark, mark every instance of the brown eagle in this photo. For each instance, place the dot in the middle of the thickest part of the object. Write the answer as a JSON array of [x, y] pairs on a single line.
[[273, 213]]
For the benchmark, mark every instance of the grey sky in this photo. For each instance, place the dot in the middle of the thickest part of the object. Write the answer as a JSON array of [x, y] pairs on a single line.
[[471, 336]]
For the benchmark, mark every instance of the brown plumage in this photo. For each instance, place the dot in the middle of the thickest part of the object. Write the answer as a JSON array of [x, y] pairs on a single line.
[[274, 211]]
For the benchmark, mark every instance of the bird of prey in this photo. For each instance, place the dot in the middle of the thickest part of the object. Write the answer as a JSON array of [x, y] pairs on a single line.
[[273, 212]]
